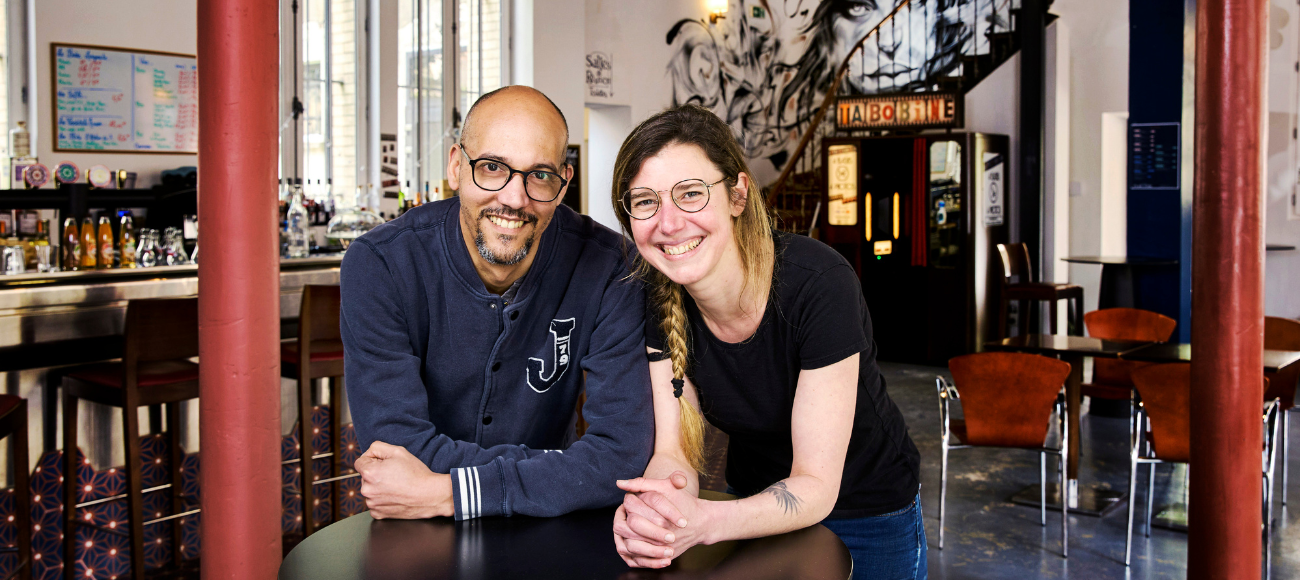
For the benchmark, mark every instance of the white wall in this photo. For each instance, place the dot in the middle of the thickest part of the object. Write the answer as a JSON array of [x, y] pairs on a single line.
[[1282, 269], [557, 48], [1099, 44], [607, 127], [163, 25]]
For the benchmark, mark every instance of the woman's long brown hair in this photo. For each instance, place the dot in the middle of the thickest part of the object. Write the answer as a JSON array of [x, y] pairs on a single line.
[[694, 125]]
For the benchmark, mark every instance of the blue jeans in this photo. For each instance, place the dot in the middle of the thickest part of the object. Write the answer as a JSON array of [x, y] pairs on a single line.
[[886, 547]]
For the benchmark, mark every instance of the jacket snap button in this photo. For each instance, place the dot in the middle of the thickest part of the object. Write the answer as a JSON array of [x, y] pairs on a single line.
[[514, 315], [496, 366], [487, 420]]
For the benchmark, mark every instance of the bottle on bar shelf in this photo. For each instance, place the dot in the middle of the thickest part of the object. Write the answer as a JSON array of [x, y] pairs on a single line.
[[13, 257], [71, 245], [88, 245], [41, 248], [127, 251], [296, 216], [105, 243]]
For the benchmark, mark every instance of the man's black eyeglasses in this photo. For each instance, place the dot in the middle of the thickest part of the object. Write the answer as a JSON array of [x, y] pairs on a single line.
[[493, 175]]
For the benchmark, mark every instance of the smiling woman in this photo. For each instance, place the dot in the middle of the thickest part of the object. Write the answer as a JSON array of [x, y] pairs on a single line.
[[770, 336]]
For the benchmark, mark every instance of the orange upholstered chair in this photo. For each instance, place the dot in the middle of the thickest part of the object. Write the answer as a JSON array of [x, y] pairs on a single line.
[[1006, 399], [1283, 334], [1160, 432], [1111, 377]]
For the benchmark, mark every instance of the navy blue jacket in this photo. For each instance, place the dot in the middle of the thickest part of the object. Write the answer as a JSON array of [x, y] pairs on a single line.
[[486, 390]]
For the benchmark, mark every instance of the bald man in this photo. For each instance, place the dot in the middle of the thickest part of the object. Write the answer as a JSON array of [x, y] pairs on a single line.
[[471, 326]]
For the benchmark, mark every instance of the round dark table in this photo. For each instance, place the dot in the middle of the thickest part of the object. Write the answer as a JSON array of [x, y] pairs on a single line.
[[577, 545], [1118, 286]]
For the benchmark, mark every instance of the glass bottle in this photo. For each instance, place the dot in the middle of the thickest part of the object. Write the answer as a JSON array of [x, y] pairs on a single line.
[[296, 226], [105, 243], [88, 244], [147, 253], [127, 245], [174, 247], [41, 248], [71, 245]]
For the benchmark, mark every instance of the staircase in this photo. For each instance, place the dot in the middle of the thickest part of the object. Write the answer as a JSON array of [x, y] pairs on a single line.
[[921, 46]]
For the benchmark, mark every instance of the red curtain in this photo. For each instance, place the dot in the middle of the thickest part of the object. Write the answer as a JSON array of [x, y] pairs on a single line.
[[918, 218]]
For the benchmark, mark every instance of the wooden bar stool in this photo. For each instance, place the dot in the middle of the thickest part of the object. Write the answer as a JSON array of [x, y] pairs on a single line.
[[1283, 334], [13, 424], [993, 419], [1015, 263], [161, 335], [318, 326], [1111, 378]]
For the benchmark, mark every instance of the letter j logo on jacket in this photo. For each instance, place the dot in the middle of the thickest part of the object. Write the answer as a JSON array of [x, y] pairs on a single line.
[[538, 380]]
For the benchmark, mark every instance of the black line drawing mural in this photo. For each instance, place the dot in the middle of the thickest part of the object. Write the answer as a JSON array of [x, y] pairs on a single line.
[[765, 67]]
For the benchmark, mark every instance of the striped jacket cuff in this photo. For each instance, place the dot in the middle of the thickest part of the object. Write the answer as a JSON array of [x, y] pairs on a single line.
[[477, 491]]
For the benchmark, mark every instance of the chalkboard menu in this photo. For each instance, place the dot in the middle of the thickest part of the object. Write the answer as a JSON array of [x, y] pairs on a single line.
[[124, 101], [1153, 156]]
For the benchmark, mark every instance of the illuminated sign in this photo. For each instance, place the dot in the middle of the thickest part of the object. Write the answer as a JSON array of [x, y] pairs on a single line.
[[842, 185], [906, 110], [884, 248]]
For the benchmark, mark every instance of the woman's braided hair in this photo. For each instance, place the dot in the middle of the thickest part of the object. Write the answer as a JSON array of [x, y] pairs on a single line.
[[694, 125]]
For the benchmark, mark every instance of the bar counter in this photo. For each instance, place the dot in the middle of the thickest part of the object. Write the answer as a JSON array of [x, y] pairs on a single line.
[[65, 318]]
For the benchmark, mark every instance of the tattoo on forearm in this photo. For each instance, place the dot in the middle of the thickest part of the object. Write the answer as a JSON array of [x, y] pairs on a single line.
[[787, 500]]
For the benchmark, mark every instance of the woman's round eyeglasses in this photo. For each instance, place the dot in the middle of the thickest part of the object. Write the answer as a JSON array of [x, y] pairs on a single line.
[[689, 195], [493, 175]]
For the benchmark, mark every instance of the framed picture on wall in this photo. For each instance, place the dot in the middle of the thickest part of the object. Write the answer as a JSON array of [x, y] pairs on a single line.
[[574, 196]]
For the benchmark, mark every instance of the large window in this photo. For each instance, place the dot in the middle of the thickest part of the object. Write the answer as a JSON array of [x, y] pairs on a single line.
[[429, 114], [321, 139], [326, 144]]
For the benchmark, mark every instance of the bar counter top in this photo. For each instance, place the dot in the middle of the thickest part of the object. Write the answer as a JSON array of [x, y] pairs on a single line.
[[58, 306]]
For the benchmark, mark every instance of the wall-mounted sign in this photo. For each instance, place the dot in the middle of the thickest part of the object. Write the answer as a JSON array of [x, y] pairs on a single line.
[[993, 190], [842, 185], [600, 74], [908, 110], [883, 248], [1153, 162]]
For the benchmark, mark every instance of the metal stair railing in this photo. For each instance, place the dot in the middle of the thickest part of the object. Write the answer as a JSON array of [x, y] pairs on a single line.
[[960, 43]]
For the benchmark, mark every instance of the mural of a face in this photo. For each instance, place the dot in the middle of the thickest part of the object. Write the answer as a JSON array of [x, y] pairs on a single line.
[[765, 69]]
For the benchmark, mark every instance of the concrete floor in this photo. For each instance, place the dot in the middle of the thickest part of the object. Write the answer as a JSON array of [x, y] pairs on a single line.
[[987, 536]]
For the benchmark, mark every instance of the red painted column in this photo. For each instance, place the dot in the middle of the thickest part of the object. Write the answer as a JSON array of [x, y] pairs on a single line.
[[1224, 539], [239, 288]]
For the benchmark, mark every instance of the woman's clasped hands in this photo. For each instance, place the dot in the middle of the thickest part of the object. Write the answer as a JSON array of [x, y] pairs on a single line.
[[658, 521]]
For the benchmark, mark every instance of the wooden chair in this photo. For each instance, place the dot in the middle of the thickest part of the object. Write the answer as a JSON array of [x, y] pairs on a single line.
[[318, 326], [1160, 432], [994, 419], [1015, 263], [13, 424], [1111, 378], [161, 335], [1283, 334]]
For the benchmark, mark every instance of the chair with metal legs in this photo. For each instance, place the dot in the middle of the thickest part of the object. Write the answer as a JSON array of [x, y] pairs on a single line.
[[1160, 432], [994, 419], [1283, 334]]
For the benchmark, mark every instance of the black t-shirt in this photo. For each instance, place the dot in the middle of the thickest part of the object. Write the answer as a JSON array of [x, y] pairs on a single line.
[[816, 316]]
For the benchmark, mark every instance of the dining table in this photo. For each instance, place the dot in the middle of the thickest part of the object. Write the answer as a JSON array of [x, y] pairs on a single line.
[[1118, 277], [575, 545]]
